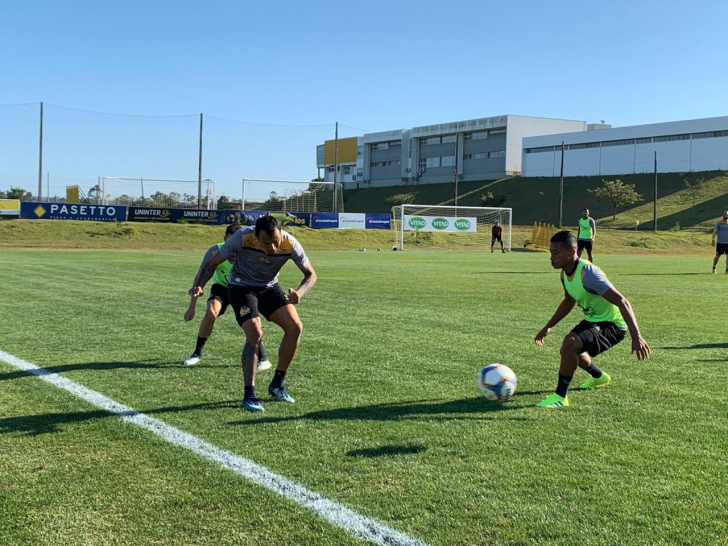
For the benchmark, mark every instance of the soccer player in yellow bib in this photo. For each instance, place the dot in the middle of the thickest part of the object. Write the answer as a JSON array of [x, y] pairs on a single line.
[[607, 317], [217, 304], [259, 255]]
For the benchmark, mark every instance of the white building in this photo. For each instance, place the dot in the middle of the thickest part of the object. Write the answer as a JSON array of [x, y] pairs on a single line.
[[479, 149], [681, 146]]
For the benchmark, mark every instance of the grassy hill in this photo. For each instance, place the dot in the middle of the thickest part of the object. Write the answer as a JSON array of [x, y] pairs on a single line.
[[537, 199]]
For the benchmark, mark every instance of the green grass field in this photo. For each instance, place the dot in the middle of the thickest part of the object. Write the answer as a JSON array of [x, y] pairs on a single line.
[[387, 421]]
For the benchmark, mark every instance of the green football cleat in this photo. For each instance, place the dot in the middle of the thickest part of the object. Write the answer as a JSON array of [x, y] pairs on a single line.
[[554, 401], [594, 383]]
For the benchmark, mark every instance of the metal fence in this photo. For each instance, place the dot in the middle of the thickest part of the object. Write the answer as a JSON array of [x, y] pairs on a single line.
[[151, 159]]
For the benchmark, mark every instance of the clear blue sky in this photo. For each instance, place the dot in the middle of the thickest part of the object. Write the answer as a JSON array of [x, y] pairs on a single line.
[[374, 65], [371, 65]]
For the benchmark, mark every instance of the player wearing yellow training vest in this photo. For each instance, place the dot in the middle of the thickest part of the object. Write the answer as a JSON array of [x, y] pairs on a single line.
[[607, 317], [587, 232], [217, 303]]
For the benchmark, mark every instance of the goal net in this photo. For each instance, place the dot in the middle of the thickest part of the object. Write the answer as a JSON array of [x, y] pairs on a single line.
[[291, 196], [154, 192], [451, 228]]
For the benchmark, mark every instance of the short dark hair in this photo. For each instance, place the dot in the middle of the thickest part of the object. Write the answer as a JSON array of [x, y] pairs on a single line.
[[232, 228], [566, 238], [269, 224]]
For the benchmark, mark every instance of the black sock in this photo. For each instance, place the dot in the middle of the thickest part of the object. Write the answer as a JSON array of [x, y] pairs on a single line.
[[562, 386], [592, 370], [249, 392], [200, 344], [261, 352], [277, 379]]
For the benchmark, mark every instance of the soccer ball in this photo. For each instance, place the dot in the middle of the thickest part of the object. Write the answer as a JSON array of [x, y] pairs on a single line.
[[497, 382]]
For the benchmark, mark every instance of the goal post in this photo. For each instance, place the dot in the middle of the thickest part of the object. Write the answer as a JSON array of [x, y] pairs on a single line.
[[291, 196], [450, 228]]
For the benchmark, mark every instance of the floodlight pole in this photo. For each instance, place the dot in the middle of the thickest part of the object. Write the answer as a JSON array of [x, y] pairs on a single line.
[[457, 143], [199, 171], [654, 211], [40, 156], [561, 189], [336, 167]]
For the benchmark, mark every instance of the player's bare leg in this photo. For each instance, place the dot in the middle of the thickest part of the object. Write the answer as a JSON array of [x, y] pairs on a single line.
[[287, 318], [206, 326], [249, 361]]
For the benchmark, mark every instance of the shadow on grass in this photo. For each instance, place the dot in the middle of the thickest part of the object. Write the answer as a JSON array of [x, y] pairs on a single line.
[[700, 346], [456, 410], [386, 451], [45, 423], [101, 366]]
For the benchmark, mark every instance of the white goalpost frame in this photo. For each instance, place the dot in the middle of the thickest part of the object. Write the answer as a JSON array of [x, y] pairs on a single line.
[[304, 185], [458, 208], [209, 191]]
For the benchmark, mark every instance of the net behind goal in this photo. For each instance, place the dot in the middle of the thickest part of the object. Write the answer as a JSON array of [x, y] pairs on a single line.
[[449, 228], [292, 196]]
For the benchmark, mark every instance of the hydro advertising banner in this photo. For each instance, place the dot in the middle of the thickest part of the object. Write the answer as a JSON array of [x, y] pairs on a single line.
[[377, 221], [66, 211], [438, 223], [162, 214], [298, 219]]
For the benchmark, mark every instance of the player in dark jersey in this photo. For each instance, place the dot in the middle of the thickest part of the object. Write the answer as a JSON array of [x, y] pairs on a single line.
[[217, 303], [259, 255], [497, 235]]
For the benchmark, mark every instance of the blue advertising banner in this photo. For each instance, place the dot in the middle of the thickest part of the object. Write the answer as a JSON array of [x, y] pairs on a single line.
[[324, 220], [378, 221], [72, 211], [163, 214], [298, 219]]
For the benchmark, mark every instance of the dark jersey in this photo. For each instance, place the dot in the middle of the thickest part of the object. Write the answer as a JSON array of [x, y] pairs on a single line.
[[497, 230]]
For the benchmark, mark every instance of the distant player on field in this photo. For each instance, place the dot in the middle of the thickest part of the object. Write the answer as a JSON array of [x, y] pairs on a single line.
[[721, 230], [497, 233], [217, 303], [607, 317], [259, 255], [587, 232]]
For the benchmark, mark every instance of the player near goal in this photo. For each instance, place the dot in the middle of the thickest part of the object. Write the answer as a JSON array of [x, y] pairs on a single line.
[[607, 317], [496, 235], [217, 304], [259, 255], [721, 247]]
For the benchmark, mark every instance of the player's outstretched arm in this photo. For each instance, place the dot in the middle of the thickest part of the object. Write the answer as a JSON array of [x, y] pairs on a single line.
[[639, 345], [309, 279], [207, 270], [561, 312]]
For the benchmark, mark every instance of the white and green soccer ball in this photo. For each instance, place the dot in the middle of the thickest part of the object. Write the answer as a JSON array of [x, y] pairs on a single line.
[[497, 382]]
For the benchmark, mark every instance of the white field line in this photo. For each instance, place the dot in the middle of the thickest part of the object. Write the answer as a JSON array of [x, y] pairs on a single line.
[[333, 512]]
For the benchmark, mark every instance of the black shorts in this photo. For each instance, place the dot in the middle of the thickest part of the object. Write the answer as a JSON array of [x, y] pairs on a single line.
[[721, 248], [494, 239], [582, 245], [597, 337], [250, 302], [220, 293]]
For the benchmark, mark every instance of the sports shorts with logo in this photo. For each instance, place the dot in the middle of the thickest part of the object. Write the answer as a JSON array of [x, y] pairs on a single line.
[[250, 301], [220, 293], [597, 337]]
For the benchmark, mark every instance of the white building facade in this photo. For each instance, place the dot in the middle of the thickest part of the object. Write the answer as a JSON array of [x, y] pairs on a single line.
[[681, 146], [477, 149]]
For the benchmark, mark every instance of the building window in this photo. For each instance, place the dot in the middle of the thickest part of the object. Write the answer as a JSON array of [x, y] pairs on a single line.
[[671, 138], [647, 140], [446, 139], [482, 155], [479, 135], [581, 146], [395, 143], [429, 162], [448, 161], [539, 150], [380, 146], [348, 169], [624, 142], [497, 131], [712, 134], [430, 140], [502, 153]]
